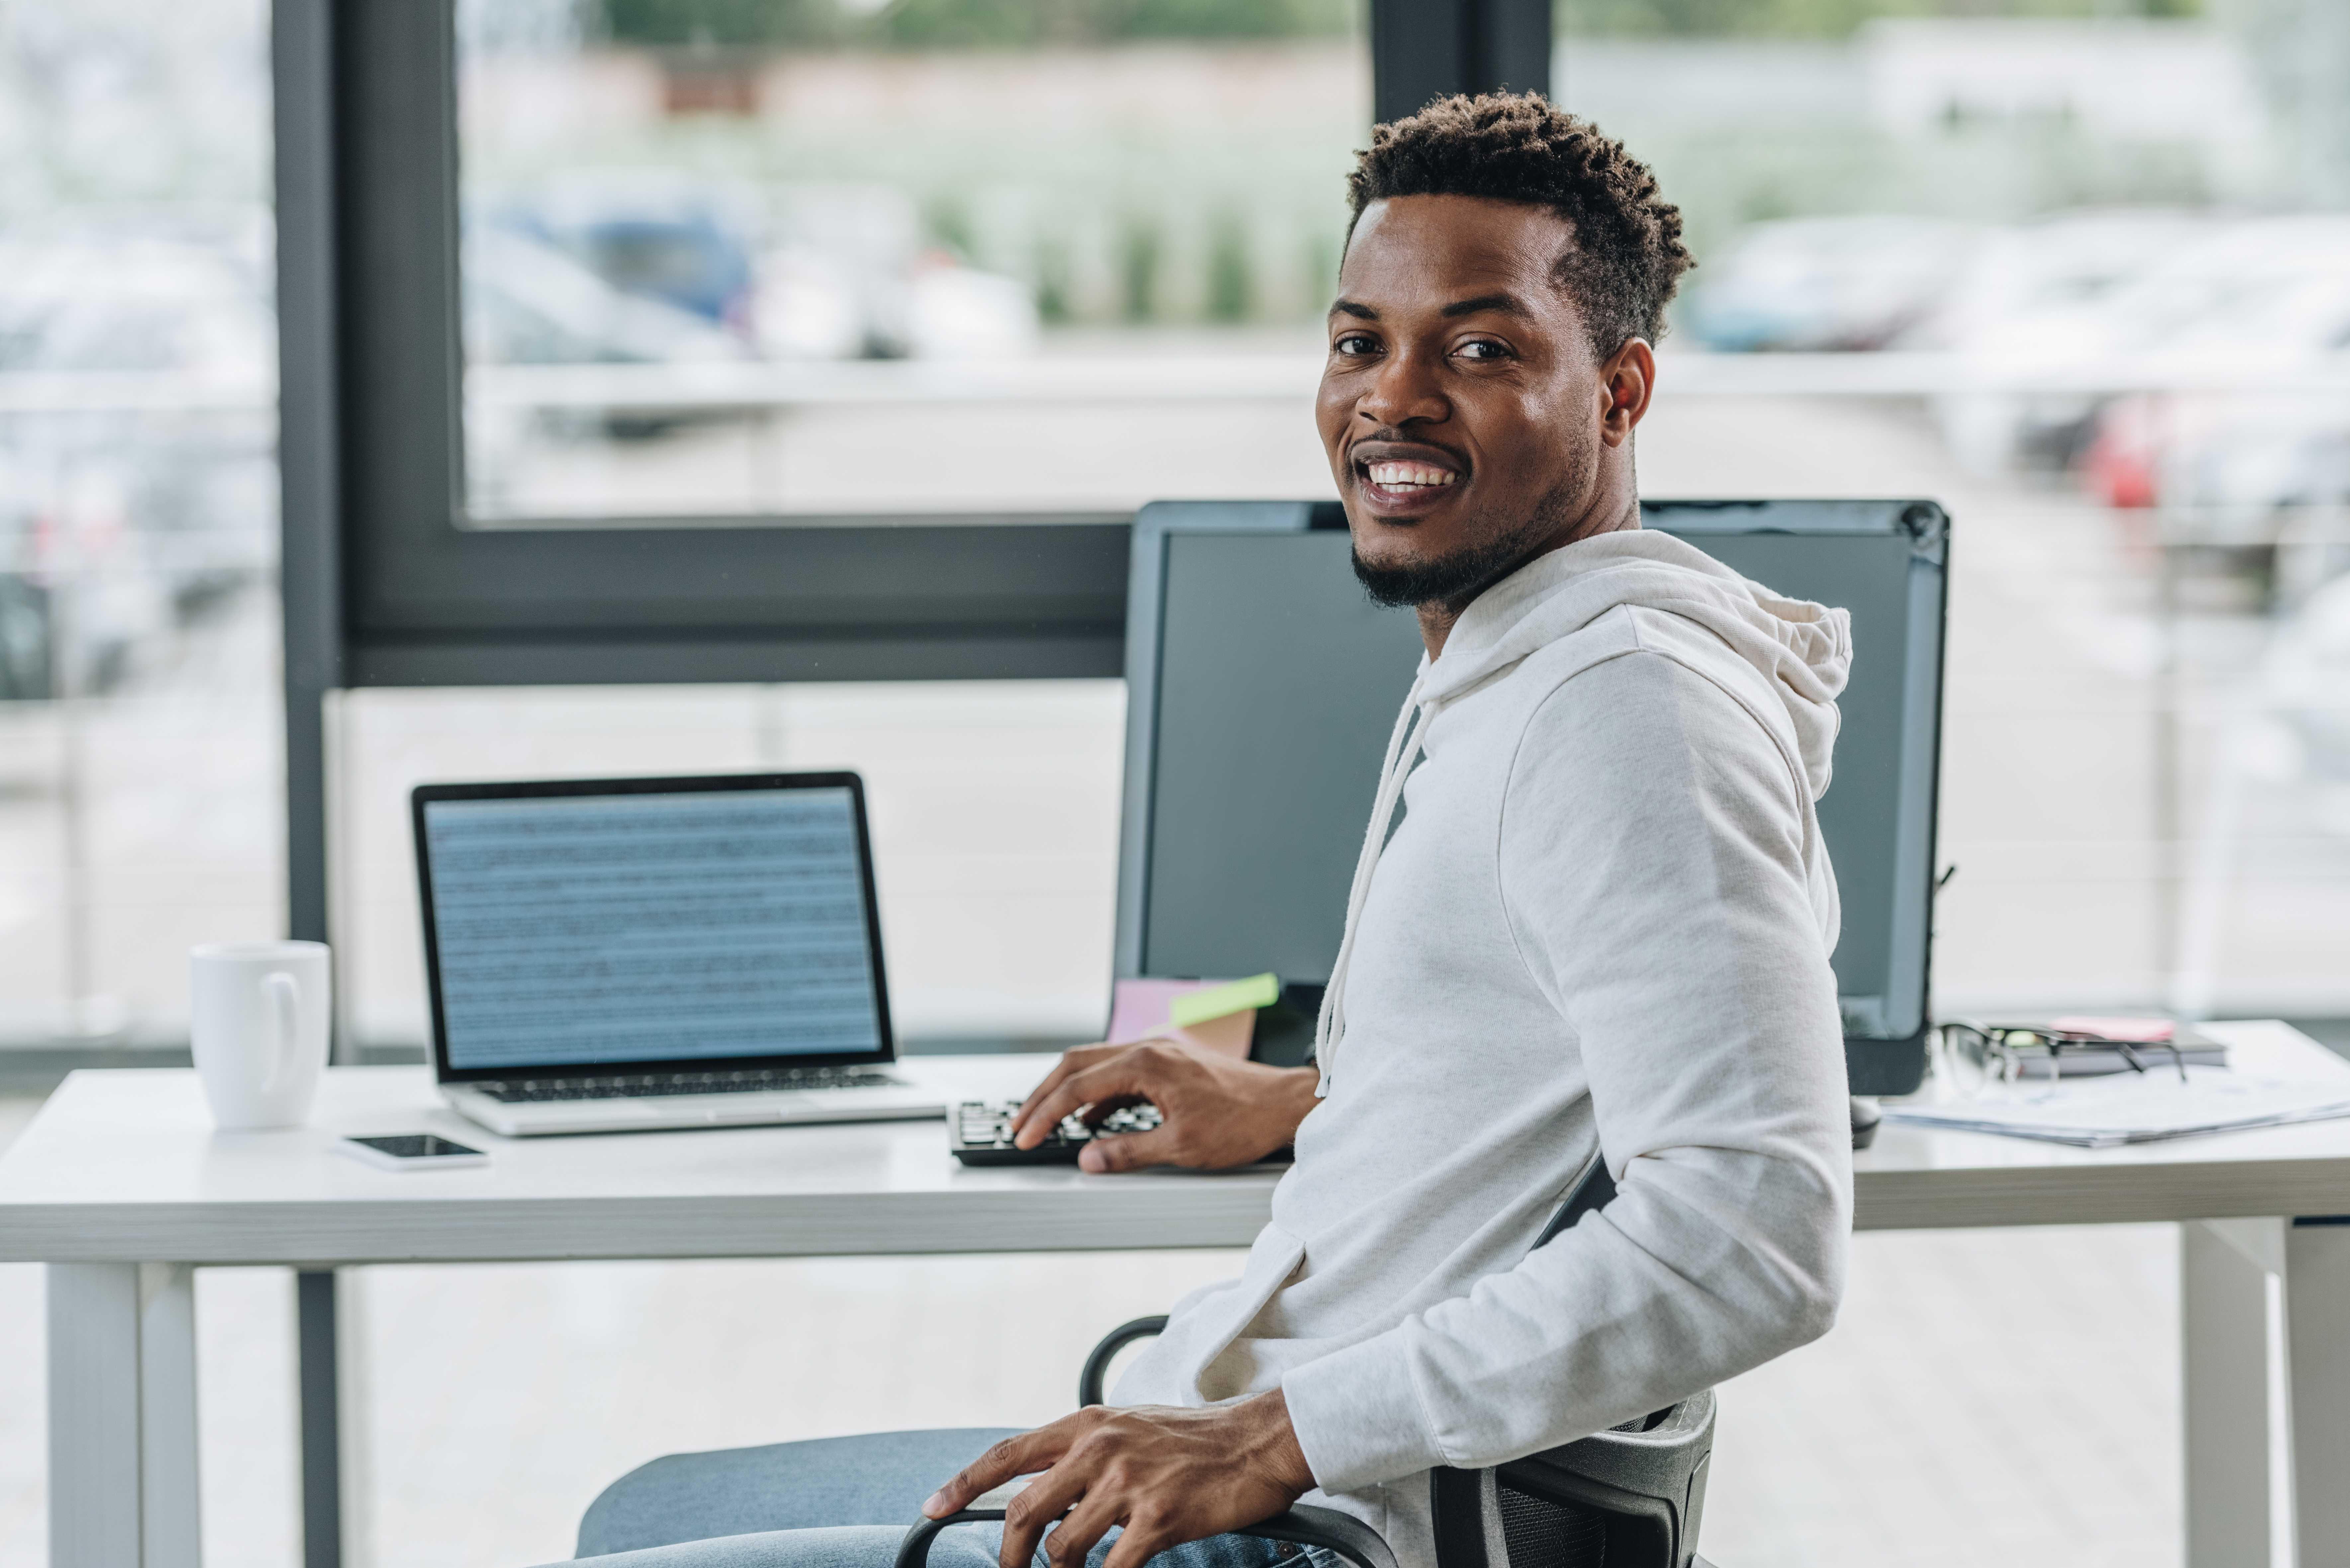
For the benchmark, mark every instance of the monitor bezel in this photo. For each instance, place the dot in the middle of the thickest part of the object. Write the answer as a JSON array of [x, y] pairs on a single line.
[[1886, 1056], [423, 795]]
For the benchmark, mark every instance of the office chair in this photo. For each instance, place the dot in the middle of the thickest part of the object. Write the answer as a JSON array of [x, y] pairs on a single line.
[[1630, 1497]]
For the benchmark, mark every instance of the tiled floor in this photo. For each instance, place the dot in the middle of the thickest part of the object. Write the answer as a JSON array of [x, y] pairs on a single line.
[[1989, 1397]]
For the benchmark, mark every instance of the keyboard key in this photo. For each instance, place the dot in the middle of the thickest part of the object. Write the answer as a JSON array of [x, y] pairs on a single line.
[[981, 1134]]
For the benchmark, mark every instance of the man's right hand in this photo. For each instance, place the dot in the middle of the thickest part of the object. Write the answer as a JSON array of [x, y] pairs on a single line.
[[1216, 1111]]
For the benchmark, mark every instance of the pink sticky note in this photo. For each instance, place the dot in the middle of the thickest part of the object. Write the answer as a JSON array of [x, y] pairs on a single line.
[[1139, 1009], [2135, 1031]]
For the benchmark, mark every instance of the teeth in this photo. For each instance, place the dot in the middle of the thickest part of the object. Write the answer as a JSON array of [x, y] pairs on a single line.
[[1409, 473]]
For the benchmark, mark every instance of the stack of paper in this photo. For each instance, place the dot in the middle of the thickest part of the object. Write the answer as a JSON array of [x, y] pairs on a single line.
[[2146, 1108]]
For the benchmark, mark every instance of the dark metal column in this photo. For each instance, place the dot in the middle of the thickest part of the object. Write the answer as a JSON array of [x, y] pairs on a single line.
[[1421, 50], [310, 567], [321, 1396]]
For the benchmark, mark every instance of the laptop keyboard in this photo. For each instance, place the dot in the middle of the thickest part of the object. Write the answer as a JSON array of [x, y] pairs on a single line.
[[645, 1086]]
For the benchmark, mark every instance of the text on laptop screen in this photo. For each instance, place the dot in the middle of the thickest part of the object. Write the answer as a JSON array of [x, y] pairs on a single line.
[[587, 929]]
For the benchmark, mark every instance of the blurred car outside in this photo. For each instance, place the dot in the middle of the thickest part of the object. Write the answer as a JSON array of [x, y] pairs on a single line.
[[955, 312], [2018, 309], [623, 267], [530, 303], [2228, 469], [1828, 284], [2255, 300], [2270, 439], [849, 275], [137, 384], [707, 292], [73, 304]]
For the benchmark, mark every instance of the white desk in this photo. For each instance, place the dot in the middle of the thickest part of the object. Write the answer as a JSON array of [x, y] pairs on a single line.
[[124, 1189]]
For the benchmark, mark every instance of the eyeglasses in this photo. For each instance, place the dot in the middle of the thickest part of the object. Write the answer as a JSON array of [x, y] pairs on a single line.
[[1974, 1055]]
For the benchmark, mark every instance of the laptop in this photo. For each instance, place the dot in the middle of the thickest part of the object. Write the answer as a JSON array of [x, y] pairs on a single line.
[[624, 955]]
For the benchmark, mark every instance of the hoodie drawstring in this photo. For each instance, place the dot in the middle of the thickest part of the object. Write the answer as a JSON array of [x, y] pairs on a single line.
[[1403, 750]]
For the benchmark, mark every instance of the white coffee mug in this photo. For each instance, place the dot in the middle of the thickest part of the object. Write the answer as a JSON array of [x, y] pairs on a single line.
[[257, 1026]]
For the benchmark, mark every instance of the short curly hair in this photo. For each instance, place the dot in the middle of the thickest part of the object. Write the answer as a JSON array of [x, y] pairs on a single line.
[[1628, 256]]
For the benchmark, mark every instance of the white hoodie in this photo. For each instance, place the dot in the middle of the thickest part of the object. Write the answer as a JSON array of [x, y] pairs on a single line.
[[1605, 920]]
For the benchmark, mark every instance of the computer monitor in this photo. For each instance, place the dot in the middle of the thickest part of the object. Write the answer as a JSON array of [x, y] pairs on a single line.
[[1262, 686]]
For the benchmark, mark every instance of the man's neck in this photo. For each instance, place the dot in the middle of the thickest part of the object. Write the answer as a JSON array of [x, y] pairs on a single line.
[[1438, 616]]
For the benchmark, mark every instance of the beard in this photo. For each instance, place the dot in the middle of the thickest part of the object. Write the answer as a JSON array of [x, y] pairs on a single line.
[[1453, 580]]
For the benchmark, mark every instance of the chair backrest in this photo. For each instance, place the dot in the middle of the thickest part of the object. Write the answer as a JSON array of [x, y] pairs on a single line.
[[1628, 1498], [1631, 1498]]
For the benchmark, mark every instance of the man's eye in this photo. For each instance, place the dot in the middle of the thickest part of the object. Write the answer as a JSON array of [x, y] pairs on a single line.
[[1481, 349], [1356, 343]]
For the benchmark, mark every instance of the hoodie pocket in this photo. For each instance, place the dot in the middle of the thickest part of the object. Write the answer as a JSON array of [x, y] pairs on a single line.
[[1193, 1342]]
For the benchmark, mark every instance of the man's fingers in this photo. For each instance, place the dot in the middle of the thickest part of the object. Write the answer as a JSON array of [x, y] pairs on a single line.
[[1071, 1060], [1105, 1080], [1130, 1151], [1033, 1512], [1088, 1522], [1061, 1069], [1017, 1456], [1144, 1538]]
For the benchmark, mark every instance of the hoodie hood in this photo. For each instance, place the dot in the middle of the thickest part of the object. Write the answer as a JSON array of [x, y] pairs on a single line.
[[1803, 651]]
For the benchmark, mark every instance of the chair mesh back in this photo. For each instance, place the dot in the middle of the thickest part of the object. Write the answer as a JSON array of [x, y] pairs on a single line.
[[1539, 1533]]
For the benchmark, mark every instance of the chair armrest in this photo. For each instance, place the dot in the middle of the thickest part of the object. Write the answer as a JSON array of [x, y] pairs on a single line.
[[1349, 1536], [914, 1549], [1096, 1368], [1343, 1533]]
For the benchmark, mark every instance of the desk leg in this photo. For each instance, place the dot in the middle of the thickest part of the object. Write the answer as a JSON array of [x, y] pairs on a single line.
[[2317, 1339], [122, 1416], [321, 1378], [331, 1328], [2224, 1323]]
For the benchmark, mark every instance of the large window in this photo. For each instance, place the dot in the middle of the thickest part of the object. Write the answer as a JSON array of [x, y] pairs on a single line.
[[2080, 269], [140, 774], [839, 257]]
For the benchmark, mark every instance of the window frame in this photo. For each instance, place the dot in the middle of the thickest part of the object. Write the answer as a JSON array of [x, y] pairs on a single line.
[[427, 599], [430, 599]]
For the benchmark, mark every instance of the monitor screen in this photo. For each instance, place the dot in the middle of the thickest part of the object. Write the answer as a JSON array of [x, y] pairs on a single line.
[[1262, 686], [574, 929], [1278, 684]]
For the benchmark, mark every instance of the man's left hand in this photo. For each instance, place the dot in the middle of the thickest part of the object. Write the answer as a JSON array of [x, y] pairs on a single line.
[[1168, 1475]]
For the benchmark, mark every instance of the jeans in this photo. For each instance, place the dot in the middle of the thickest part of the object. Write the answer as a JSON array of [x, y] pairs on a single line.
[[836, 1502]]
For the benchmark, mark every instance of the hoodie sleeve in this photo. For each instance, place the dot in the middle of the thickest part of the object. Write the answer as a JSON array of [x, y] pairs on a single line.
[[1652, 867]]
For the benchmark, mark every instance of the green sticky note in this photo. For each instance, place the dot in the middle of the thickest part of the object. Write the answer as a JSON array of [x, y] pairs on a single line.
[[1218, 1000]]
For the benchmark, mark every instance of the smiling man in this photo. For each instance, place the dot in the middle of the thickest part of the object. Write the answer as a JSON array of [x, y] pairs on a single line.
[[1600, 932]]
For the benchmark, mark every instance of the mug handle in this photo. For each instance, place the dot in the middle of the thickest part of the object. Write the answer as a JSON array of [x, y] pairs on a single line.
[[284, 993]]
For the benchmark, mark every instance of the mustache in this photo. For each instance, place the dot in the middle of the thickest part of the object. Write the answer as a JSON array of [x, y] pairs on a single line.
[[1401, 438]]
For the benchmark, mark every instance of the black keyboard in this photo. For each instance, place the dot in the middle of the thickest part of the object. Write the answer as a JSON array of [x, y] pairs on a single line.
[[980, 1133], [647, 1085]]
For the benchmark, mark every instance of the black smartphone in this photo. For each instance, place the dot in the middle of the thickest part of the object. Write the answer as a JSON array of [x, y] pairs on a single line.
[[413, 1151]]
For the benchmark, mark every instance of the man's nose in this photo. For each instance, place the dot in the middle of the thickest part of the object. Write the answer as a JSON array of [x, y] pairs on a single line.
[[1404, 392]]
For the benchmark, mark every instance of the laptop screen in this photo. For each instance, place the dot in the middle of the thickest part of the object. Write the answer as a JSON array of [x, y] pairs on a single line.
[[571, 930]]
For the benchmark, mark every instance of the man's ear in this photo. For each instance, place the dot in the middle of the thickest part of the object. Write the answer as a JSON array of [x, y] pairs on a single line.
[[1625, 382]]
